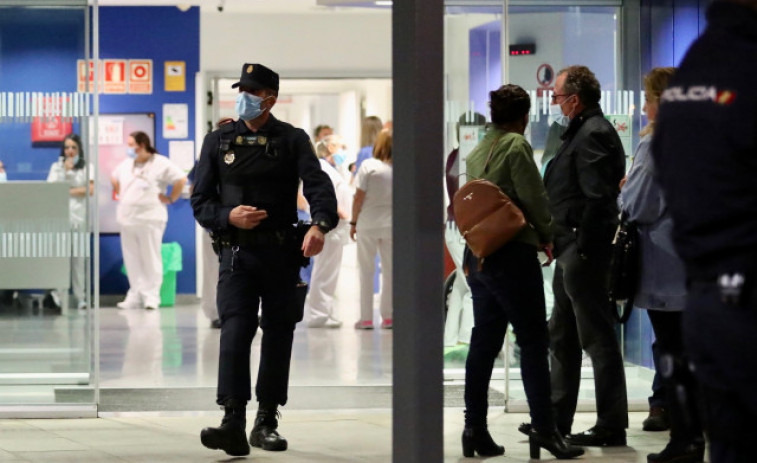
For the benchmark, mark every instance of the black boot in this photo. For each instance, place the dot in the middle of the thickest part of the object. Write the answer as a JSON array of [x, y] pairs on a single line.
[[264, 433], [478, 440], [679, 452], [230, 436], [554, 443]]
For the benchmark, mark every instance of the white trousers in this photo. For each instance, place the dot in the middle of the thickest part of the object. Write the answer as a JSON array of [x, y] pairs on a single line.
[[368, 243], [325, 275], [459, 323], [209, 278], [140, 245]]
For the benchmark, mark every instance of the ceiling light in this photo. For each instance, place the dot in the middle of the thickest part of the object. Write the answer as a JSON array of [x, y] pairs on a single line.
[[383, 2]]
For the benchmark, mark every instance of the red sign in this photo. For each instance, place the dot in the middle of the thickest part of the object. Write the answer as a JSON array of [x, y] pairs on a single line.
[[140, 76], [115, 76], [50, 128]]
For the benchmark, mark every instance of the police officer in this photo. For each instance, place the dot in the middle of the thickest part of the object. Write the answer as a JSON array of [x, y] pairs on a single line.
[[705, 150], [246, 193]]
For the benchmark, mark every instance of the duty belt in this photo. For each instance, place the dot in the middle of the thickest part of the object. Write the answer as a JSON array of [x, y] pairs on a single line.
[[246, 238]]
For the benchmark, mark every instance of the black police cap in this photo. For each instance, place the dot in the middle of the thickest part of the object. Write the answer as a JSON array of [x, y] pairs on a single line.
[[256, 76]]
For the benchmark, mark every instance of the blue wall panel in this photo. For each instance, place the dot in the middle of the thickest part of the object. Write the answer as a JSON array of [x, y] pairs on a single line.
[[38, 52], [161, 34]]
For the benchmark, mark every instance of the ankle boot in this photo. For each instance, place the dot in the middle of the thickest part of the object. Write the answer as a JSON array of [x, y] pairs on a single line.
[[554, 443], [230, 436], [264, 434], [679, 452], [478, 440]]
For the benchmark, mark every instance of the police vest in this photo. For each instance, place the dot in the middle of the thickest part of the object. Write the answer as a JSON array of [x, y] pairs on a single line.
[[259, 170]]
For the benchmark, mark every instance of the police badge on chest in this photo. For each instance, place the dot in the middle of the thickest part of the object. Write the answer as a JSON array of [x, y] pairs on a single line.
[[228, 158]]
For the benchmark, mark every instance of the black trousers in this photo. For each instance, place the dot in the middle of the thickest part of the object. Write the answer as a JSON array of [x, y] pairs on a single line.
[[720, 340], [509, 289], [249, 278], [582, 320], [676, 376]]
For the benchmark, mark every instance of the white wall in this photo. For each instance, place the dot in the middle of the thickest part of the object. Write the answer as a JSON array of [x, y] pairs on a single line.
[[299, 45]]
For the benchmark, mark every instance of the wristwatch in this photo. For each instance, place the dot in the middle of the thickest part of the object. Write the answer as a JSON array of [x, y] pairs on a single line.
[[322, 225]]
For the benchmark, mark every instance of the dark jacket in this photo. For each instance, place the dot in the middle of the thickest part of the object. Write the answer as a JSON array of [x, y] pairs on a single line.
[[705, 146], [583, 184], [265, 175]]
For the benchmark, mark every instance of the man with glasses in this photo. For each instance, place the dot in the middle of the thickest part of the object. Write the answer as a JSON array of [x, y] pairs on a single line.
[[582, 183]]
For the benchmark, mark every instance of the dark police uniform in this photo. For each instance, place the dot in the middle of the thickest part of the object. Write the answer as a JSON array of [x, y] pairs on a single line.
[[705, 148], [259, 266]]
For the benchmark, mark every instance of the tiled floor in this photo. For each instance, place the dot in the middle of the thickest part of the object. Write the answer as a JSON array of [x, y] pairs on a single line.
[[314, 437], [164, 364]]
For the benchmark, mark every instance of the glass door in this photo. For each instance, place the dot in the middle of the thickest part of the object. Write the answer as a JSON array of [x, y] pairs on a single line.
[[47, 312]]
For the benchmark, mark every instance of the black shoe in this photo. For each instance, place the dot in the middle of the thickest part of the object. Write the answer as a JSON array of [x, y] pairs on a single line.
[[264, 434], [478, 440], [554, 443], [657, 420], [230, 436], [598, 437], [679, 453], [216, 324]]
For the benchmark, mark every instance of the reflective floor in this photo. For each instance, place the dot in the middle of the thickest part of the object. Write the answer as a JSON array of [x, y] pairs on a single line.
[[158, 376]]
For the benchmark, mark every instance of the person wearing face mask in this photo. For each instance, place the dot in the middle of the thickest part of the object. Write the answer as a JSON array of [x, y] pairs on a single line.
[[326, 265], [3, 174], [558, 122], [582, 183], [140, 181], [245, 193], [71, 168]]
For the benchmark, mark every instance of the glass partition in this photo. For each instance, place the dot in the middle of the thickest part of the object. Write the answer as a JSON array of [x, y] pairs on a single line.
[[539, 41], [47, 323]]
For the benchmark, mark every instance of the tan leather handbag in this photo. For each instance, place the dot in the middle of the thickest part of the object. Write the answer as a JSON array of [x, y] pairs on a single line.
[[486, 217]]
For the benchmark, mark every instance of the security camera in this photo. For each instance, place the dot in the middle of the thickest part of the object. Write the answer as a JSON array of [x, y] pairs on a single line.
[[220, 5]]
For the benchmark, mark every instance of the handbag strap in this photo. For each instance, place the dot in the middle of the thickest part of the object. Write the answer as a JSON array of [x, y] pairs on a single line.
[[491, 151]]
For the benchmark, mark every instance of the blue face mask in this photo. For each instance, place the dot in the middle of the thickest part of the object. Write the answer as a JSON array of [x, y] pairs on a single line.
[[248, 106], [76, 159], [131, 152], [556, 115], [339, 157], [3, 177]]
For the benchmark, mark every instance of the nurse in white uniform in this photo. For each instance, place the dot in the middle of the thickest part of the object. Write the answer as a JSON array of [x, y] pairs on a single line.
[[140, 182], [71, 168], [326, 265], [372, 223]]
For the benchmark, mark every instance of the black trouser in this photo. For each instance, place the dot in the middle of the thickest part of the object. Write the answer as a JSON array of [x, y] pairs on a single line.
[[509, 289], [720, 340], [263, 276], [581, 319], [658, 397], [676, 376]]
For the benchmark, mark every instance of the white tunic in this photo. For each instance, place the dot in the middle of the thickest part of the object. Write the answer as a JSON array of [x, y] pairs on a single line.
[[139, 187], [75, 178], [375, 178]]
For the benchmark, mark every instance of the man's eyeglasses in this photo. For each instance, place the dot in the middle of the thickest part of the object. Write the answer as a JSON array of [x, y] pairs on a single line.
[[555, 95]]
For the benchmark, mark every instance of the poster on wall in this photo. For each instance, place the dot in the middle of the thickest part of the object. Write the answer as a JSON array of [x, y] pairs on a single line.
[[114, 130], [175, 121], [175, 76], [622, 124], [140, 76], [114, 76]]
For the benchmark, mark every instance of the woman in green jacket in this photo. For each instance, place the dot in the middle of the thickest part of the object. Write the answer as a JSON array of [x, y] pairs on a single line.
[[509, 287]]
